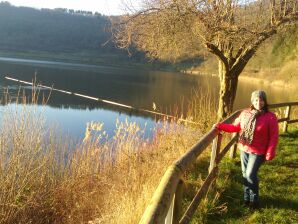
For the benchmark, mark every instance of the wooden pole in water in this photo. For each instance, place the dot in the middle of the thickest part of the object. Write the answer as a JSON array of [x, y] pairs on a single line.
[[103, 101]]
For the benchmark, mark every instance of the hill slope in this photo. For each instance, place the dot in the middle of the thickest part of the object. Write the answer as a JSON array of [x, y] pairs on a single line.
[[58, 34], [276, 59]]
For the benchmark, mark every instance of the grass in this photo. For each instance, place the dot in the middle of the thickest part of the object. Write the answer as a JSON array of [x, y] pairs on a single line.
[[48, 179], [278, 188]]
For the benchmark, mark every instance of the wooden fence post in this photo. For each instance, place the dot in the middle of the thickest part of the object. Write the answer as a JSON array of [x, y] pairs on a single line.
[[185, 219], [215, 151], [178, 203], [170, 215], [287, 115], [234, 147], [175, 210]]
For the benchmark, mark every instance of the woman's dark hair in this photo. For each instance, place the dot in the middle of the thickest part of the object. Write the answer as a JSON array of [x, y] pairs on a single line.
[[265, 108]]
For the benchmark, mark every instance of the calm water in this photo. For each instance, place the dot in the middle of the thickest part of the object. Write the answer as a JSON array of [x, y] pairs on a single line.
[[137, 88]]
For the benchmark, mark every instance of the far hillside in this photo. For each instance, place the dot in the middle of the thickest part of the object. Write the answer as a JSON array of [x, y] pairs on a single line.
[[62, 34], [25, 28], [79, 36], [276, 59]]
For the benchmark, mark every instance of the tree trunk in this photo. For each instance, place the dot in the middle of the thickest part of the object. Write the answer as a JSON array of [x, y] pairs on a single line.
[[227, 92]]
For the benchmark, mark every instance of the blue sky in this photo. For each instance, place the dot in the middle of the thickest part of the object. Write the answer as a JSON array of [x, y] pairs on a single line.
[[106, 7]]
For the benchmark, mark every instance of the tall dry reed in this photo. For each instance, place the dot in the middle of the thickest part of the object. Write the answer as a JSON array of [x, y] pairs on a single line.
[[46, 179], [202, 108]]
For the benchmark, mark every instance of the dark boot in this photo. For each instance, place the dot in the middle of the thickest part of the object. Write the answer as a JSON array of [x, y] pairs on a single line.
[[254, 205], [246, 203]]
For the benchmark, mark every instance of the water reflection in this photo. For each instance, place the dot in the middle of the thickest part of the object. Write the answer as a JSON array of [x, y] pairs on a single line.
[[127, 86], [138, 88], [275, 94]]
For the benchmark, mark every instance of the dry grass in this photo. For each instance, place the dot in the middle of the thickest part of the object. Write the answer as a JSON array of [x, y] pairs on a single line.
[[202, 108], [44, 179]]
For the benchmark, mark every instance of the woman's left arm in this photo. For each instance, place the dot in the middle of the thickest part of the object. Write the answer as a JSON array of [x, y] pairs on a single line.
[[273, 137]]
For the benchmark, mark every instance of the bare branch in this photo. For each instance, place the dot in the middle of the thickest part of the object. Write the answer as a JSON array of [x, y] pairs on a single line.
[[246, 55], [173, 29], [215, 50]]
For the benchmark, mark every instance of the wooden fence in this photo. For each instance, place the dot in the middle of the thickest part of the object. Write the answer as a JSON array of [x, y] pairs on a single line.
[[166, 203]]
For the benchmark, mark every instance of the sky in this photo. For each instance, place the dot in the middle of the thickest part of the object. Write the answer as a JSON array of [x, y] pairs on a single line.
[[106, 7]]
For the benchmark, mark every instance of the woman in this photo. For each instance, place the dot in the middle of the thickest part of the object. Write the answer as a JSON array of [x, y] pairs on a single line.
[[257, 141]]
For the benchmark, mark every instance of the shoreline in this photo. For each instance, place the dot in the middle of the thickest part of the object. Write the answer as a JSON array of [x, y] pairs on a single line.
[[75, 59], [248, 78], [269, 82]]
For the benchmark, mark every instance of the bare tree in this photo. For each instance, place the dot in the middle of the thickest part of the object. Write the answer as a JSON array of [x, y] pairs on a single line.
[[232, 30]]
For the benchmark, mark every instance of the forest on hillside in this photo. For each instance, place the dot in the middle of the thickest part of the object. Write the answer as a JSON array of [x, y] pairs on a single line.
[[25, 29]]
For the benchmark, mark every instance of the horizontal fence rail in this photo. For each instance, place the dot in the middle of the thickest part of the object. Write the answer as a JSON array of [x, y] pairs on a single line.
[[166, 203], [286, 120]]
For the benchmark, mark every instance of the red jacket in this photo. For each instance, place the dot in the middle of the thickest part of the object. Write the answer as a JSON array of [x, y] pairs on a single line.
[[265, 137]]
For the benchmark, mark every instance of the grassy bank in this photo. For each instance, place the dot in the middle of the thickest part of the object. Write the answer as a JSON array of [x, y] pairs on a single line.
[[278, 188], [49, 179]]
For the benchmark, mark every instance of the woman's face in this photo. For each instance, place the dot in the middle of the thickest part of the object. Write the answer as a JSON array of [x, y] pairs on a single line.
[[258, 103]]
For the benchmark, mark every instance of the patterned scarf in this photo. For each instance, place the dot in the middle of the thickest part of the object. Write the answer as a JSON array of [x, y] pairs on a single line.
[[247, 134]]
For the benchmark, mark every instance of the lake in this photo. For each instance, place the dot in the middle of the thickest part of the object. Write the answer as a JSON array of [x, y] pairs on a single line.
[[134, 87]]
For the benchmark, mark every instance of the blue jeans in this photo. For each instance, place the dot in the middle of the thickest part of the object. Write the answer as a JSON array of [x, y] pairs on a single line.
[[250, 164]]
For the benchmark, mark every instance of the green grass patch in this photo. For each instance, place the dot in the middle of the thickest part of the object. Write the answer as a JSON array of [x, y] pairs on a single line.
[[278, 188]]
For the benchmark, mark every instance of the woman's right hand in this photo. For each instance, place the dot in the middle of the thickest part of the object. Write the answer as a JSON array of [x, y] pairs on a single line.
[[216, 126]]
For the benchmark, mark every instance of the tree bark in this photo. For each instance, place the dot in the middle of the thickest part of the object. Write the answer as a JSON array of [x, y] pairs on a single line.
[[227, 92]]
